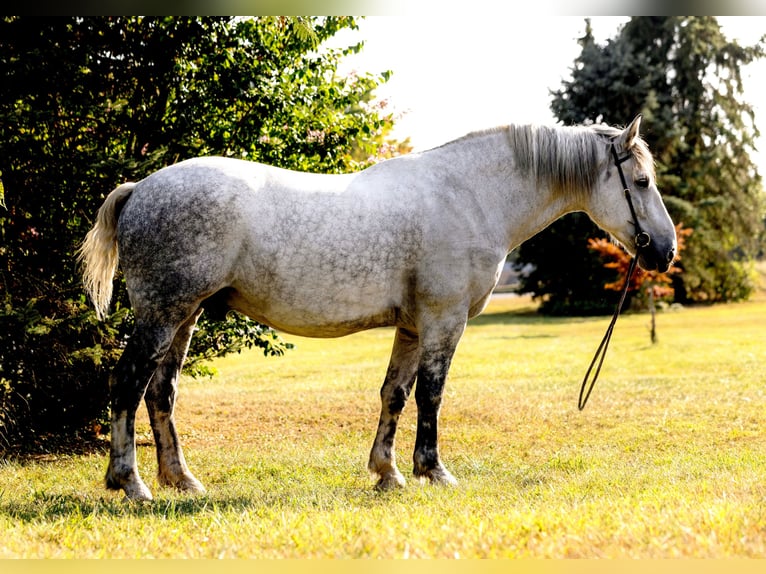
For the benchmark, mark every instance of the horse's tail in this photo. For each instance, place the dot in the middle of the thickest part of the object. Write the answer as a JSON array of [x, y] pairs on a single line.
[[98, 253]]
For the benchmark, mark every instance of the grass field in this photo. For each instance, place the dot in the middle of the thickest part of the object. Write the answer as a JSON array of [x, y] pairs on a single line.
[[667, 460]]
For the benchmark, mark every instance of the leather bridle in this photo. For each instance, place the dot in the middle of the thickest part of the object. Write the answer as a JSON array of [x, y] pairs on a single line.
[[642, 240]]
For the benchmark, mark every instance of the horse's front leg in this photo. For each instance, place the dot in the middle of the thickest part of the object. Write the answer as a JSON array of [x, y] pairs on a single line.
[[438, 345], [160, 403], [394, 393]]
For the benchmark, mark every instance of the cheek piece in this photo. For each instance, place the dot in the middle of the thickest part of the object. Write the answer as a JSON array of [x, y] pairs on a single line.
[[642, 238]]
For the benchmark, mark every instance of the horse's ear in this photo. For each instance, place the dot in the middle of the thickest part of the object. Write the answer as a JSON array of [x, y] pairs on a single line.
[[630, 134]]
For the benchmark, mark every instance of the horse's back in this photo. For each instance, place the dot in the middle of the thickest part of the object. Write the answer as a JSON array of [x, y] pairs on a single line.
[[206, 198], [303, 252]]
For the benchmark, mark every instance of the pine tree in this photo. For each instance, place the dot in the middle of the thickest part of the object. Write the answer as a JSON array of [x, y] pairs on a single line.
[[683, 75]]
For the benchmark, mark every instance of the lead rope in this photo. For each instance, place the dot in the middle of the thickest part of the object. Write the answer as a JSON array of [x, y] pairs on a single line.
[[602, 348], [642, 240]]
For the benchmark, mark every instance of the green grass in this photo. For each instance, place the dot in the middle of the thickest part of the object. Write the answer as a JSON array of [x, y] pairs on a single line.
[[667, 460]]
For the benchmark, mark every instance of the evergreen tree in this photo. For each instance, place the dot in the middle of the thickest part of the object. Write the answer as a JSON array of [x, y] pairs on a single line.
[[683, 75]]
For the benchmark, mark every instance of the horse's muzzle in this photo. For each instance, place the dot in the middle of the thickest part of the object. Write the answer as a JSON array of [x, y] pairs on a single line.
[[657, 258]]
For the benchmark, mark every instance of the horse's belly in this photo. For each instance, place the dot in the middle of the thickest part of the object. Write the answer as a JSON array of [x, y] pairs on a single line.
[[307, 313]]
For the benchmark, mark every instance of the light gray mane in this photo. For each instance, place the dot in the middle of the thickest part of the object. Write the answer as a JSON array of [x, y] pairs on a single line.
[[567, 158]]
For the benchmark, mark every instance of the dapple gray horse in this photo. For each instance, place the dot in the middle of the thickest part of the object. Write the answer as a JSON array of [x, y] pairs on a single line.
[[416, 243]]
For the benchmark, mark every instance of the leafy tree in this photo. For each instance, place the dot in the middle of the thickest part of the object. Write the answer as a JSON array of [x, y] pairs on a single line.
[[650, 286], [683, 75], [383, 145], [618, 259], [559, 269], [87, 103]]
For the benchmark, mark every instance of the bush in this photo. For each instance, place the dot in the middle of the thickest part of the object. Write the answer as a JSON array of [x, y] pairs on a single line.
[[55, 358], [88, 103]]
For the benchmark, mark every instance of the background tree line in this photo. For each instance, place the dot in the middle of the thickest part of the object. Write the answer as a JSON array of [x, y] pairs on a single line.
[[88, 103], [683, 75]]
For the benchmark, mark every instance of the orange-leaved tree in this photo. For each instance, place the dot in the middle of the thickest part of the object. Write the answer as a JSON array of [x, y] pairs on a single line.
[[650, 286]]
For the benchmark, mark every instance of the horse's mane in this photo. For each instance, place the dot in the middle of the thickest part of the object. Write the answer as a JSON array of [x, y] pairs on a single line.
[[567, 158]]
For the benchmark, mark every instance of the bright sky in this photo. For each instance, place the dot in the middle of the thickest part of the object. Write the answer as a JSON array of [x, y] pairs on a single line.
[[456, 74]]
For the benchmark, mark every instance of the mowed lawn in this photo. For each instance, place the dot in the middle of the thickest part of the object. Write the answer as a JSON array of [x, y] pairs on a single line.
[[667, 460]]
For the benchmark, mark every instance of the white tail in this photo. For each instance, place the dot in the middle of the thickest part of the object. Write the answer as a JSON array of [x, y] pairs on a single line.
[[98, 253]]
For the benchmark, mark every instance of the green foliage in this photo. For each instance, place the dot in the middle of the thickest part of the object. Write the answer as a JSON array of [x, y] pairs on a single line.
[[55, 359], [88, 103], [683, 75], [565, 271], [230, 335]]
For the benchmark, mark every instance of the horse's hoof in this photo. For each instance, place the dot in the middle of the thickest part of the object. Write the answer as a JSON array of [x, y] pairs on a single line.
[[439, 476], [390, 481], [130, 483], [185, 482], [137, 492], [191, 485]]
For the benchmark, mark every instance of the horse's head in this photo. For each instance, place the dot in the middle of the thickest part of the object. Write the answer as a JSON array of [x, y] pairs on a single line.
[[627, 204]]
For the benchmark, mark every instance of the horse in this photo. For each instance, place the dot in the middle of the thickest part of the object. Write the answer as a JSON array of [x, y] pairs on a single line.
[[416, 243]]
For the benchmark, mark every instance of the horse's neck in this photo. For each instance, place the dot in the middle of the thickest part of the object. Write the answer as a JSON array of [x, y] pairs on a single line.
[[515, 203]]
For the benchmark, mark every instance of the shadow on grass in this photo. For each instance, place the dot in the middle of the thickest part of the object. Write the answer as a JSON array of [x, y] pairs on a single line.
[[529, 317], [50, 448], [263, 495], [48, 507], [41, 506]]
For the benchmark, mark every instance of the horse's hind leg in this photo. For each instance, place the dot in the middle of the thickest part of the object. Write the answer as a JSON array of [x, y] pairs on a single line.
[[393, 396], [143, 353], [160, 401]]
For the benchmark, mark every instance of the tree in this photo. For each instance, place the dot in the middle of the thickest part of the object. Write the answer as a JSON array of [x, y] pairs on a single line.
[[87, 103], [683, 75], [558, 268], [650, 286]]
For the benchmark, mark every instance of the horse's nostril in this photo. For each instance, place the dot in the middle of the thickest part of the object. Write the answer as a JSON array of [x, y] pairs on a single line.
[[671, 255]]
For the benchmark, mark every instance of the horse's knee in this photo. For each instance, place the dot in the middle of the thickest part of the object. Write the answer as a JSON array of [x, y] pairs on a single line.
[[161, 391], [160, 394], [136, 366], [395, 399]]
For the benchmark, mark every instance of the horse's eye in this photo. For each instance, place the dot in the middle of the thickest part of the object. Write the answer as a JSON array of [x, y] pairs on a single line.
[[642, 182]]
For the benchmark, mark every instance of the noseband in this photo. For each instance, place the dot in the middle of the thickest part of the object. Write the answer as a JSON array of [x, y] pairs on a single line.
[[642, 240]]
